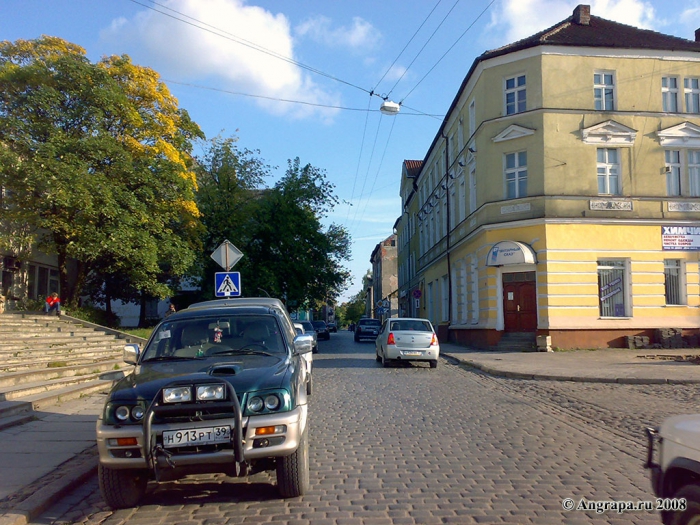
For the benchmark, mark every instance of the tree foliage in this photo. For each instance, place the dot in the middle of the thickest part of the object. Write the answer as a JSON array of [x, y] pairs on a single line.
[[97, 160], [288, 253]]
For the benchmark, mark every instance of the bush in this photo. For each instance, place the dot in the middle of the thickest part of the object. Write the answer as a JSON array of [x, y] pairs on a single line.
[[95, 315]]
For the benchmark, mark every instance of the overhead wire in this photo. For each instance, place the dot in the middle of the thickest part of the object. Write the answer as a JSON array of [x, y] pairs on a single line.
[[359, 160]]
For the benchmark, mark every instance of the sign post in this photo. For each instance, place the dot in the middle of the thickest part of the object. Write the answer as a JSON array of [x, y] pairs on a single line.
[[227, 284]]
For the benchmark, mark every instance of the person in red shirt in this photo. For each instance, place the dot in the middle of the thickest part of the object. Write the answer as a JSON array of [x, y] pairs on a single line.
[[53, 303]]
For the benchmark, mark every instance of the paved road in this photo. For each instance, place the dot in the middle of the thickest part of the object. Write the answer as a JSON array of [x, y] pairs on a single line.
[[411, 445]]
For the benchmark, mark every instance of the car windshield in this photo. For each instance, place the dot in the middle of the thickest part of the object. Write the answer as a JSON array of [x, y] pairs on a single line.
[[412, 325], [370, 322], [203, 337], [307, 325], [319, 324]]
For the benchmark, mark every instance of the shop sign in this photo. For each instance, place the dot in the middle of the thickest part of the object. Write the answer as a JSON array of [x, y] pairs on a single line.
[[686, 238]]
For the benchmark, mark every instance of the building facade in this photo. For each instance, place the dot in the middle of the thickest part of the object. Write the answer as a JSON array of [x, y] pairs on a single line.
[[384, 288], [561, 195]]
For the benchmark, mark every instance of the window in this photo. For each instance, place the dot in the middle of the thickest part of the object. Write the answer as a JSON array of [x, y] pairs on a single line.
[[445, 292], [515, 95], [474, 289], [608, 172], [472, 188], [472, 118], [516, 175], [682, 172], [604, 91], [612, 288], [673, 282], [694, 172], [42, 281], [669, 94], [673, 172], [692, 94]]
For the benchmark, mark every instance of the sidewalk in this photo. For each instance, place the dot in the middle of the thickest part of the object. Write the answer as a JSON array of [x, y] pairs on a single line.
[[43, 460]]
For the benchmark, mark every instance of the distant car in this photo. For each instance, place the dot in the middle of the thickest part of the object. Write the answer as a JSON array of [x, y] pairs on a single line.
[[309, 329], [367, 329], [407, 339], [332, 327], [321, 330]]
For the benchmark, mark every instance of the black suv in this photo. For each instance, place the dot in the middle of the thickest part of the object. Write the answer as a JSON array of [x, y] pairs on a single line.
[[219, 387], [367, 329]]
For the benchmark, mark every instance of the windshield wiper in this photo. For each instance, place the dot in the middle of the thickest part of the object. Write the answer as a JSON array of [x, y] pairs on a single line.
[[170, 358], [243, 352]]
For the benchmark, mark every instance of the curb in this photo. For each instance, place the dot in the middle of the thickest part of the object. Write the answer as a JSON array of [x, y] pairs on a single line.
[[69, 475], [549, 377]]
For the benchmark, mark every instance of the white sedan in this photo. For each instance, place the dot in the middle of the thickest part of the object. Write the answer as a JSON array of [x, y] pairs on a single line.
[[407, 339]]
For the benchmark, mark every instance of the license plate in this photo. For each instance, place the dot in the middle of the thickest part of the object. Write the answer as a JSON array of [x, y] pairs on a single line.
[[196, 436], [412, 353]]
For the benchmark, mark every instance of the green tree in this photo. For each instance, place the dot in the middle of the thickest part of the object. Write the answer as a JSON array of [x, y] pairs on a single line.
[[96, 159]]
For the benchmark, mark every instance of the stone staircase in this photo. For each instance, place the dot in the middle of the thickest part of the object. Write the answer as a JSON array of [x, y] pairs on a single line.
[[45, 360], [516, 342]]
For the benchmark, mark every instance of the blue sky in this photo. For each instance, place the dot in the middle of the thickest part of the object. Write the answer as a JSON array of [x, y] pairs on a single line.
[[292, 78]]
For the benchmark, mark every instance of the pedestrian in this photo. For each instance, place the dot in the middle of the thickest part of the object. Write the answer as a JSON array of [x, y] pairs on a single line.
[[52, 303], [171, 310]]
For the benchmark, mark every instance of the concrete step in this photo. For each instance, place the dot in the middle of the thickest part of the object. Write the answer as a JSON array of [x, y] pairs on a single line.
[[35, 375], [44, 361], [24, 391]]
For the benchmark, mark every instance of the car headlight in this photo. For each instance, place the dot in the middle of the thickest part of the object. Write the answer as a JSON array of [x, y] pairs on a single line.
[[137, 413], [210, 393], [272, 402], [177, 394], [122, 413], [255, 404]]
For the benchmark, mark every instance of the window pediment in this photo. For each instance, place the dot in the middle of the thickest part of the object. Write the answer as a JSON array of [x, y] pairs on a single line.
[[685, 135], [610, 133], [513, 132]]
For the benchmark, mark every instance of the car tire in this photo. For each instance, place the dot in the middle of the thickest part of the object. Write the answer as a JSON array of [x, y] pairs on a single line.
[[123, 488], [377, 358], [293, 470], [357, 339], [314, 350], [309, 385], [433, 363], [385, 362], [691, 514]]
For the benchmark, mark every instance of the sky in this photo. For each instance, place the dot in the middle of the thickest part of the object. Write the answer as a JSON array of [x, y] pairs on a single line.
[[306, 78]]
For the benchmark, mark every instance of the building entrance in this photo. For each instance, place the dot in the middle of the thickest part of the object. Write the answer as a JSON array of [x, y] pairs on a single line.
[[519, 302]]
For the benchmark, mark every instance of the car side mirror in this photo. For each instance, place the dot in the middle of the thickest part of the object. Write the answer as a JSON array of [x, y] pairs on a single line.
[[303, 344], [131, 353]]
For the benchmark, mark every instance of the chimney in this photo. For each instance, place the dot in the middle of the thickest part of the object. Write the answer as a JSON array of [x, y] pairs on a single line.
[[697, 35], [582, 15]]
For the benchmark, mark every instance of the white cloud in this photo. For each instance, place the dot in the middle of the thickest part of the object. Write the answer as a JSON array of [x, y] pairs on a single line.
[[359, 36], [518, 19], [182, 51]]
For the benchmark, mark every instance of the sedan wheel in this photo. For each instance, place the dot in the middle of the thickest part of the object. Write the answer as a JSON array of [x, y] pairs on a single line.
[[385, 361]]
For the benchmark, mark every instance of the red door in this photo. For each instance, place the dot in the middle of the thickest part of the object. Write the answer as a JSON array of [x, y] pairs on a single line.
[[520, 306]]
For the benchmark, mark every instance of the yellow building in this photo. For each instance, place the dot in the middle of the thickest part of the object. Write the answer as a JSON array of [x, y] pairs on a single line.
[[561, 195]]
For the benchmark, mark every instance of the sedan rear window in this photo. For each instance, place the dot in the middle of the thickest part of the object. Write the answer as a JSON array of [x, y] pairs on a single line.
[[408, 325]]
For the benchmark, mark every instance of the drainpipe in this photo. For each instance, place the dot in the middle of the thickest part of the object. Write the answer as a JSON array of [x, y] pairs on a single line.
[[447, 220]]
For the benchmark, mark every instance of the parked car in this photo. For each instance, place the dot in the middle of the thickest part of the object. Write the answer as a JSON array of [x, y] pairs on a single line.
[[309, 329], [367, 328], [219, 387], [332, 327], [673, 459], [407, 339], [321, 330]]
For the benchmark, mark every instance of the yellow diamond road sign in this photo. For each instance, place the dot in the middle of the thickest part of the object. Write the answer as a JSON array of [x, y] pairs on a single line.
[[227, 255]]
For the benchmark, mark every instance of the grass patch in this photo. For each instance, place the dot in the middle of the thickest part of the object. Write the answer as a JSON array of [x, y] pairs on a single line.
[[138, 332], [56, 364]]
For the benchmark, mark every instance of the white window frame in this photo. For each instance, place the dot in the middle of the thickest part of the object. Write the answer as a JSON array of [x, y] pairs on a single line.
[[610, 171], [445, 291], [691, 90], [675, 282], [519, 92], [472, 117], [673, 172], [694, 172], [518, 173], [669, 94], [474, 292], [609, 288], [472, 188], [600, 87]]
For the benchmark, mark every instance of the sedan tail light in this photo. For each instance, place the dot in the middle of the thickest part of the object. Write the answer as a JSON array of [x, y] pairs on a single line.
[[390, 339], [434, 341]]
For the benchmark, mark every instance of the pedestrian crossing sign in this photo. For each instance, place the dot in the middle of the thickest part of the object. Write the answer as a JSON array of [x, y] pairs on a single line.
[[227, 284]]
